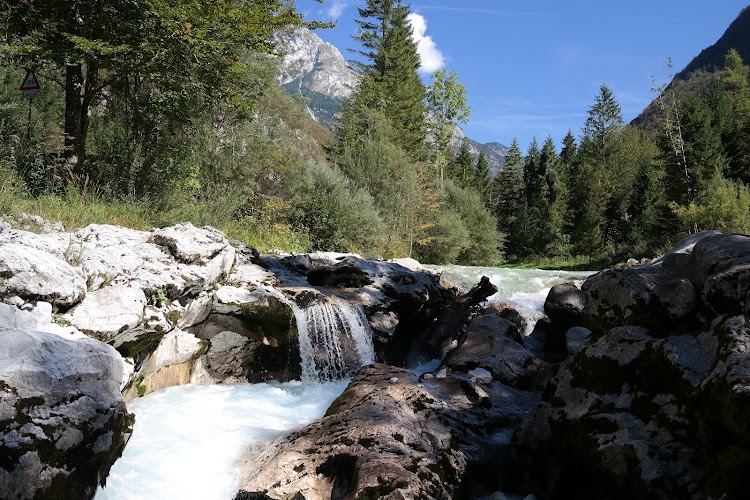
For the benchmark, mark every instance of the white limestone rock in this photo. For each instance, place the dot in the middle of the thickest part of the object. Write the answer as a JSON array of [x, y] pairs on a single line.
[[109, 311], [252, 274], [190, 244], [34, 274], [37, 317], [175, 347], [196, 311], [64, 421]]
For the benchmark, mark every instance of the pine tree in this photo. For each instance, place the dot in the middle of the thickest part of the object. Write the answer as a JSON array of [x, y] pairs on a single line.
[[644, 209], [462, 167], [390, 79], [513, 155], [736, 135], [510, 205], [603, 122], [533, 179], [569, 150], [482, 175]]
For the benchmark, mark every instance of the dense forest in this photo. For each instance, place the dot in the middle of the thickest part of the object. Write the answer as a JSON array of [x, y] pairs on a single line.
[[159, 111]]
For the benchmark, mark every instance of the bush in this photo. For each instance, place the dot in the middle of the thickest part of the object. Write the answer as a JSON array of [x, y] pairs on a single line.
[[335, 214], [483, 247], [448, 237], [724, 205]]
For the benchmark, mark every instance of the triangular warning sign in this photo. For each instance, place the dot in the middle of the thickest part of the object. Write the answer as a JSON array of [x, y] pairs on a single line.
[[30, 82]]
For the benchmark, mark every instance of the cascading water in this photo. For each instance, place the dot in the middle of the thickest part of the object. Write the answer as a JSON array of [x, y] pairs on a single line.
[[334, 340], [186, 439]]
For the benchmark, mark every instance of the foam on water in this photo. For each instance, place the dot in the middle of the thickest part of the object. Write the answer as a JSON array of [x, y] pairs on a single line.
[[526, 289], [186, 439]]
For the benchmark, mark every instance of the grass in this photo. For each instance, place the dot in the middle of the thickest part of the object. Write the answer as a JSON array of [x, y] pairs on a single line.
[[575, 263], [76, 209]]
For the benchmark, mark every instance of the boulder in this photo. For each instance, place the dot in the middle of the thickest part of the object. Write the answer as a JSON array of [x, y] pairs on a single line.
[[63, 421], [647, 297], [508, 312], [566, 305], [36, 317], [489, 345], [189, 244], [109, 311], [177, 360], [390, 435], [37, 275], [645, 416], [720, 266], [576, 337], [378, 440]]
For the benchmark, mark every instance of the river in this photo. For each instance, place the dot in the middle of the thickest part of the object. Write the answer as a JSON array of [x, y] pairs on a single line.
[[186, 439]]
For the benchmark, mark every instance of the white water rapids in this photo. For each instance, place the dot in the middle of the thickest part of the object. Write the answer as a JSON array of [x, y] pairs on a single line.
[[526, 289], [186, 439]]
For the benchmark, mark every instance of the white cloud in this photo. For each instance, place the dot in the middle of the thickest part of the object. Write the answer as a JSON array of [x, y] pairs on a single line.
[[432, 58], [336, 9]]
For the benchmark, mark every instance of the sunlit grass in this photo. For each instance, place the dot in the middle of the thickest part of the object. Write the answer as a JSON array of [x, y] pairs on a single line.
[[573, 263]]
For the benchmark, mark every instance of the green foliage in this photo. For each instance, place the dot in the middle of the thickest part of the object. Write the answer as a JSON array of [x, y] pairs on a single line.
[[390, 81], [446, 103], [482, 176], [448, 237], [461, 169], [484, 242], [332, 211], [603, 122], [724, 205]]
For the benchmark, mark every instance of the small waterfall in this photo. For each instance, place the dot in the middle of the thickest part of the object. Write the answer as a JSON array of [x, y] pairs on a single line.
[[334, 340]]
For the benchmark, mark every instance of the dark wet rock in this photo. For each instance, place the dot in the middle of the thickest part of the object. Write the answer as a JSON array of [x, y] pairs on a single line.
[[566, 305], [345, 274], [400, 298], [508, 312], [647, 297], [577, 337], [391, 436], [377, 440], [720, 266], [547, 341], [63, 422], [645, 416], [489, 344]]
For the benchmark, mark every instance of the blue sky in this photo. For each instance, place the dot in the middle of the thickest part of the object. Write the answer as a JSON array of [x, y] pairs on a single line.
[[532, 68]]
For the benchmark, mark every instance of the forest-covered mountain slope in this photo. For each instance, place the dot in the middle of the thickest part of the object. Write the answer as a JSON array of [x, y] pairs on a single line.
[[700, 72]]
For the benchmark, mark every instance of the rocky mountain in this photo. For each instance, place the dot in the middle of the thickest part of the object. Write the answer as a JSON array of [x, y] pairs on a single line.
[[317, 71], [494, 151], [699, 73]]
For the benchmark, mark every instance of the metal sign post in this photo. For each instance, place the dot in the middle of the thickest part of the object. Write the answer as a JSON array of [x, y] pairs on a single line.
[[29, 88]]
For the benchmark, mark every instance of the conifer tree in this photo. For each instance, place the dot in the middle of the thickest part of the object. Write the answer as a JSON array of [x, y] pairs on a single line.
[[462, 167], [390, 82], [533, 178], [603, 122], [644, 209], [482, 175], [513, 155], [510, 206]]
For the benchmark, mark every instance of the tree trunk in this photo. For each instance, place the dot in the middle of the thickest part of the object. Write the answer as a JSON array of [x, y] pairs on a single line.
[[73, 107], [80, 89], [448, 325]]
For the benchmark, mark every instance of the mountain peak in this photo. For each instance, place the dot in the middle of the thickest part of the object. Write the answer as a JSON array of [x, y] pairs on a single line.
[[316, 70]]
